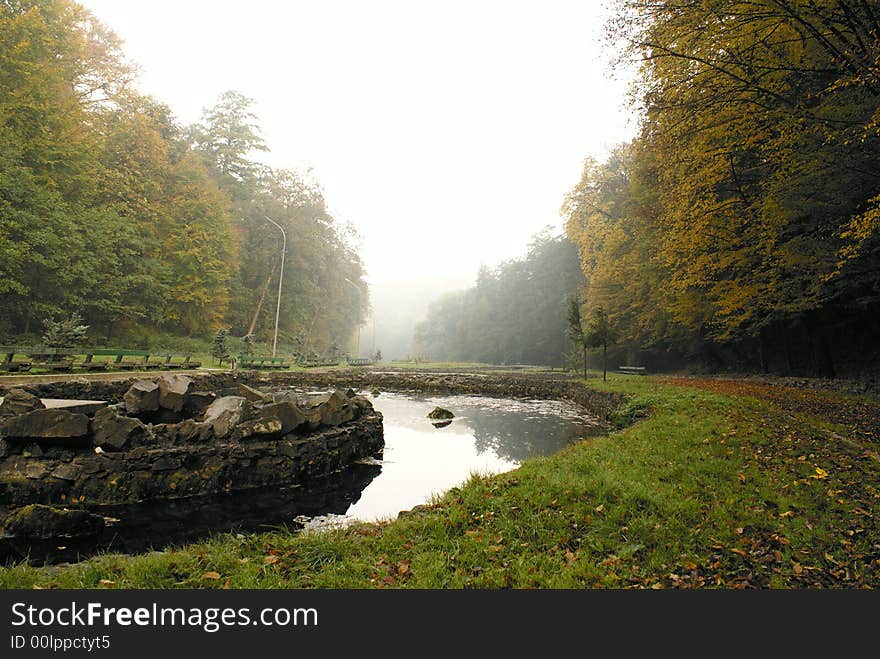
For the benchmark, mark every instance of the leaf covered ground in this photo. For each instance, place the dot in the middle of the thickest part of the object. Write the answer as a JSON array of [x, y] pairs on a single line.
[[720, 484]]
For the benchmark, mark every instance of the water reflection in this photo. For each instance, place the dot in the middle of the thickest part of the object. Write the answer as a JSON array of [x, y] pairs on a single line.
[[487, 436], [163, 524]]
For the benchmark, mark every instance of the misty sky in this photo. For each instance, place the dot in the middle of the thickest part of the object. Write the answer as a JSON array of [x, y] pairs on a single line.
[[446, 132]]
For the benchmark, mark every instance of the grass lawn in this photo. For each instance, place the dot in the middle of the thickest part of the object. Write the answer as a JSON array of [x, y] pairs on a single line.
[[719, 485]]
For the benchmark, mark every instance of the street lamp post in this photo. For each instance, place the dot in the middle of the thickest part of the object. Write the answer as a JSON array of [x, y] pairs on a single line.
[[280, 280]]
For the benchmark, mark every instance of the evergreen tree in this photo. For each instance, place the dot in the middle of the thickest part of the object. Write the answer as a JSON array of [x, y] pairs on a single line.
[[66, 333], [220, 349]]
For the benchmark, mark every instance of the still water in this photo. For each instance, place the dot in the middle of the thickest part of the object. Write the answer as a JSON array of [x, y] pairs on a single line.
[[487, 436]]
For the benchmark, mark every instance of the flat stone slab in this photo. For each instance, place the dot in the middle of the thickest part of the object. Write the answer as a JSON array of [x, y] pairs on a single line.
[[87, 407]]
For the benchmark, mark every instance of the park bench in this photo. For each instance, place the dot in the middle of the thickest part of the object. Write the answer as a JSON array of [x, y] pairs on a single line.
[[164, 361], [168, 361], [262, 362], [141, 359], [186, 361], [632, 370], [9, 364], [312, 363], [51, 359]]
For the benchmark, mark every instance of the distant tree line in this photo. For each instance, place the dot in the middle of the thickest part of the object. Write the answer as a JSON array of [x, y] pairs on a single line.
[[111, 209], [515, 314], [741, 229]]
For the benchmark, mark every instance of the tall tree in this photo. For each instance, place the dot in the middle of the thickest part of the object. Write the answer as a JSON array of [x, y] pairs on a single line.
[[576, 333]]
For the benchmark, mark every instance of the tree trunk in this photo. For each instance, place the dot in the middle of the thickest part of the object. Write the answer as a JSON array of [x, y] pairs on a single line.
[[604, 362], [585, 361], [786, 340], [824, 363], [762, 350]]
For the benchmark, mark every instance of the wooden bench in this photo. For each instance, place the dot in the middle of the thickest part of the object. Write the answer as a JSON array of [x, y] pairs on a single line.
[[119, 355], [262, 362], [186, 361], [9, 364], [52, 359], [312, 363], [632, 370]]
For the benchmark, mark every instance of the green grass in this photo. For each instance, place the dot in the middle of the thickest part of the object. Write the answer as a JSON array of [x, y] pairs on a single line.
[[707, 490]]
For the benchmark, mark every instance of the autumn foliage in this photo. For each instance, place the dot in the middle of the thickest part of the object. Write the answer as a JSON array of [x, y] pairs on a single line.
[[742, 226], [110, 208]]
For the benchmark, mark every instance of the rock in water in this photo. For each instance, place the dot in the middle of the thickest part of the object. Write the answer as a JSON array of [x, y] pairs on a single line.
[[46, 424], [440, 413], [441, 424], [227, 412], [141, 397], [19, 401], [115, 433], [173, 391]]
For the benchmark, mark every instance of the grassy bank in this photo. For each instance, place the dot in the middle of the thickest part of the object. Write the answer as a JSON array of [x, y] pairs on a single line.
[[713, 488]]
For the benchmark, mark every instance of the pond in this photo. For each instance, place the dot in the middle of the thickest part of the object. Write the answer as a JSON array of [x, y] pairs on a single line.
[[486, 436]]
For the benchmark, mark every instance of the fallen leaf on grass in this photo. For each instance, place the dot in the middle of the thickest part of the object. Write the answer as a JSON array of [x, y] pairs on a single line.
[[211, 575]]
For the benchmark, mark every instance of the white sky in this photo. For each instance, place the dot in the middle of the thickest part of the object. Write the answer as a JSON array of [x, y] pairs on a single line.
[[447, 132]]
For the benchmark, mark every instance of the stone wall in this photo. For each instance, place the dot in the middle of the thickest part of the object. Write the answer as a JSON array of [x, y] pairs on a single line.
[[67, 477], [166, 440], [552, 386]]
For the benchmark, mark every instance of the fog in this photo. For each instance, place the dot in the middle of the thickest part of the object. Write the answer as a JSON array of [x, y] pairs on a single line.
[[446, 133]]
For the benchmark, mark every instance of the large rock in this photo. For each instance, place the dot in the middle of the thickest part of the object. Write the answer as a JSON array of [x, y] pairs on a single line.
[[197, 402], [173, 391], [440, 414], [19, 401], [274, 420], [45, 424], [331, 409], [253, 395], [67, 471], [227, 412], [141, 397], [38, 522], [113, 432], [190, 431]]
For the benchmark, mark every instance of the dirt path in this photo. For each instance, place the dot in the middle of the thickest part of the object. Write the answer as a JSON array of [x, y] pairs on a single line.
[[859, 414], [48, 378]]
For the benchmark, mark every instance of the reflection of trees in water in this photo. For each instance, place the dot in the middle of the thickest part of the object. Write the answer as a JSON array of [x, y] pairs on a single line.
[[516, 437], [164, 523], [511, 429]]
